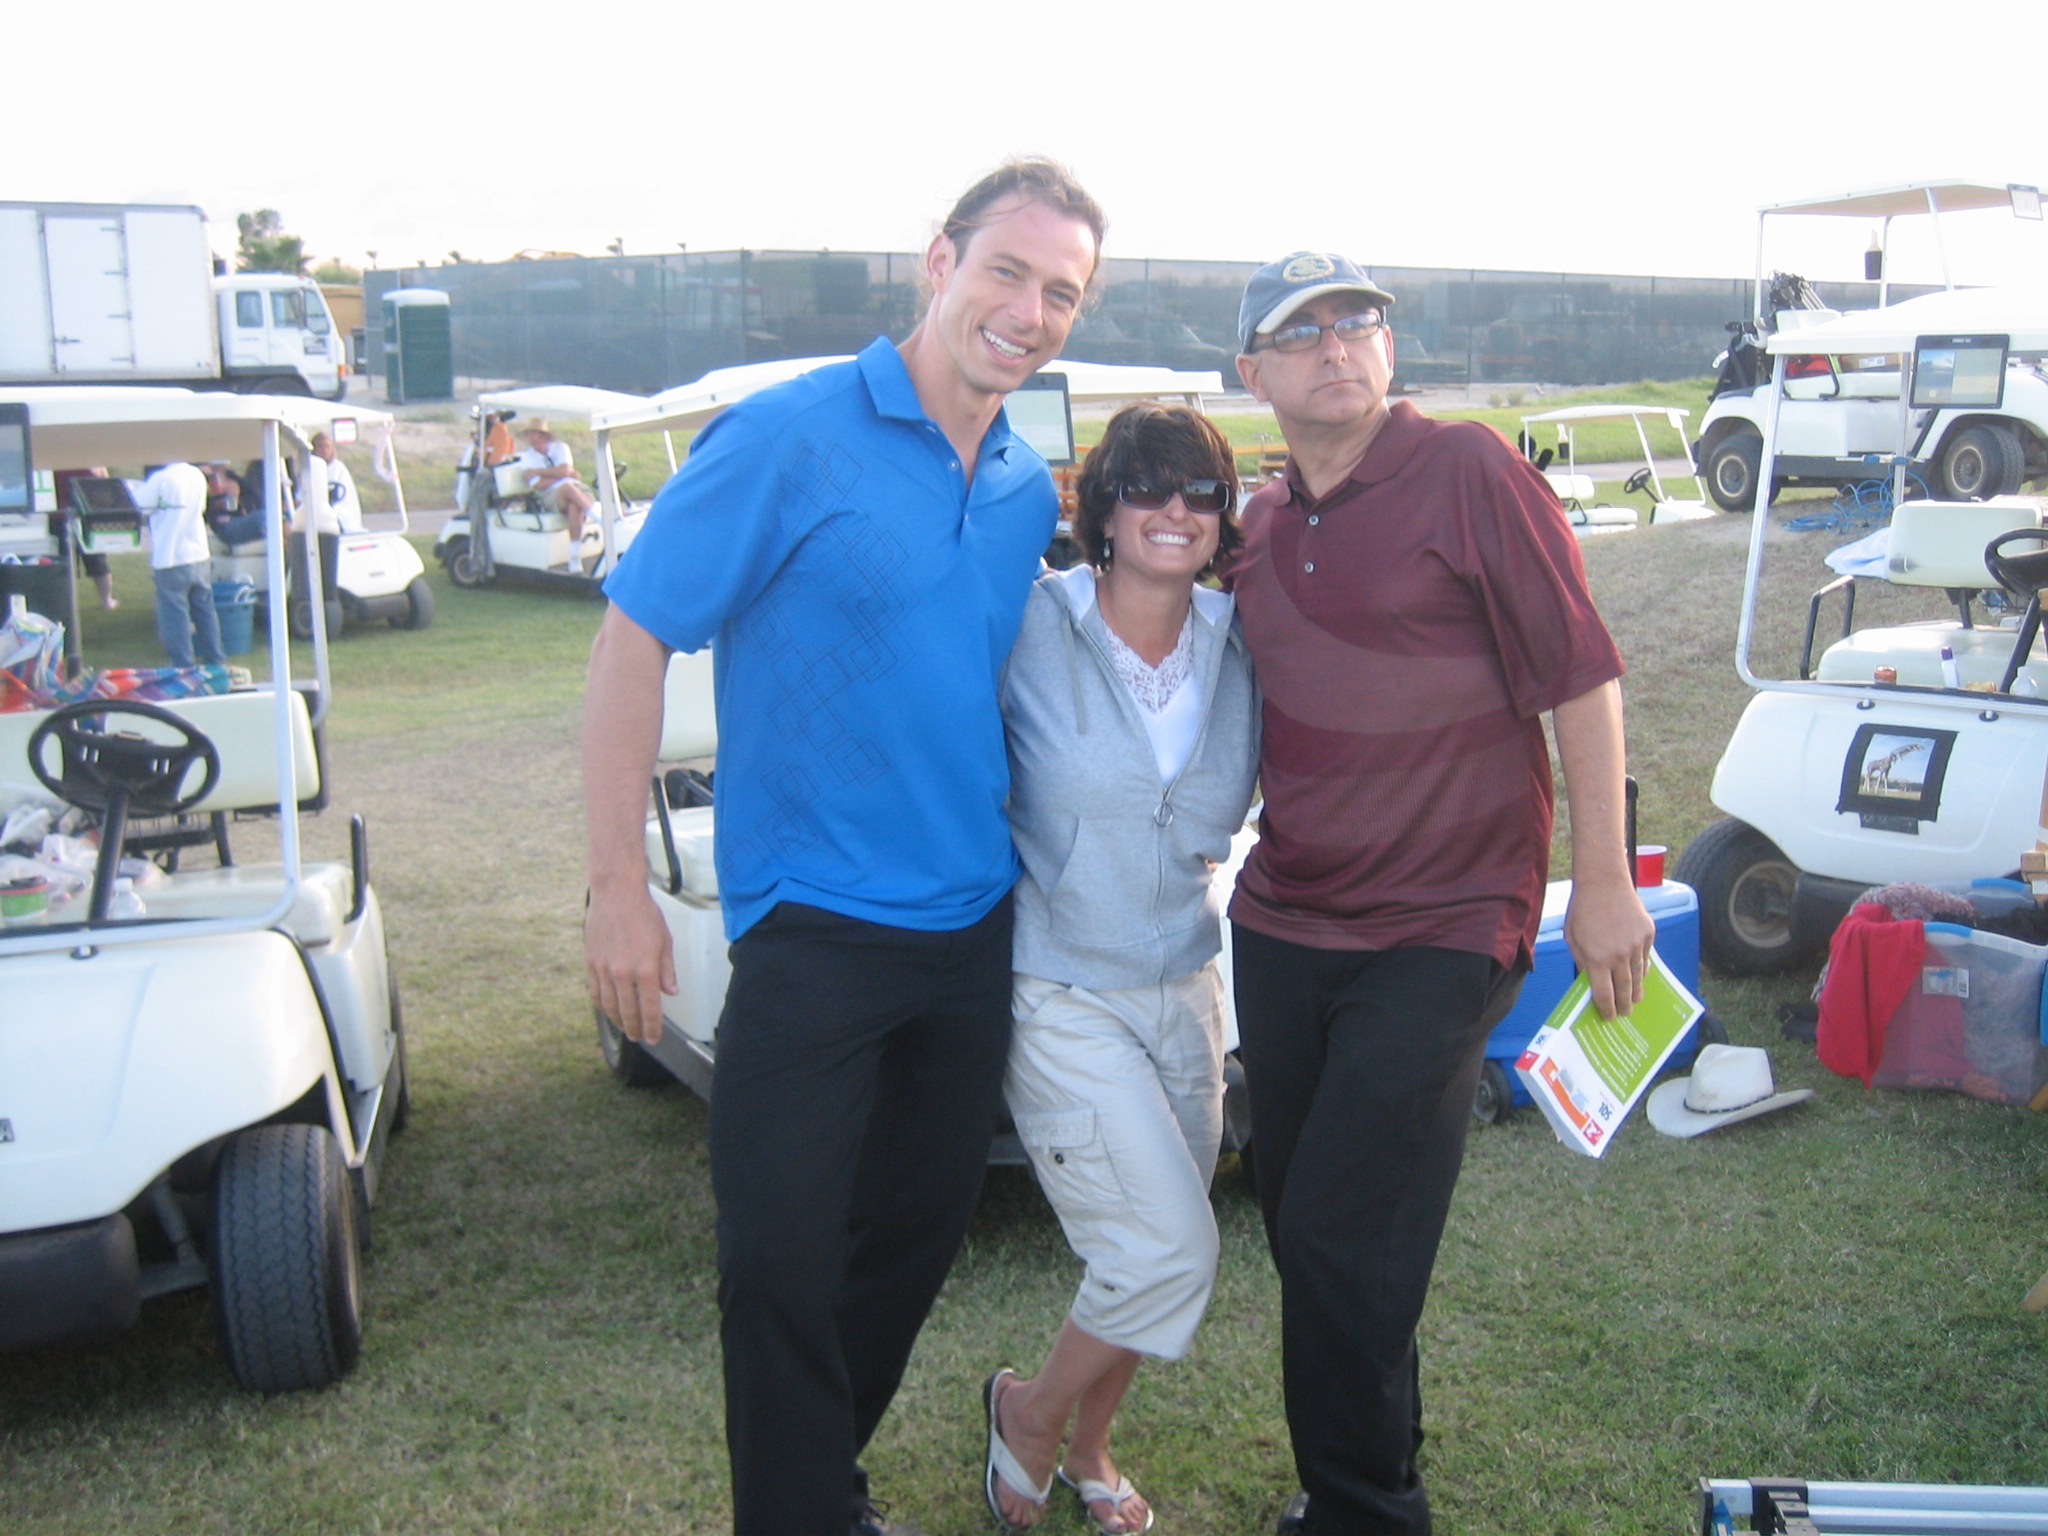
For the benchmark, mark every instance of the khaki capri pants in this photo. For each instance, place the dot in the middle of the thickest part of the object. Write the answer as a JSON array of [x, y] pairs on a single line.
[[1118, 1099]]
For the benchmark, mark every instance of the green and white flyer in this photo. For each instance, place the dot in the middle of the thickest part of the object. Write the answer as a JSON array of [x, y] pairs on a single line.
[[1586, 1072]]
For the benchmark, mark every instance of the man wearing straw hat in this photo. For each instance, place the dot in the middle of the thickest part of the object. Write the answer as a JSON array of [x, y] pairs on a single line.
[[551, 470]]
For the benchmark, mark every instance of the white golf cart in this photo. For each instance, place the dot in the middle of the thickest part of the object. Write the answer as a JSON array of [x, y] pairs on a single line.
[[198, 1075], [364, 576], [682, 877], [503, 526], [1837, 409], [1909, 751], [1577, 491]]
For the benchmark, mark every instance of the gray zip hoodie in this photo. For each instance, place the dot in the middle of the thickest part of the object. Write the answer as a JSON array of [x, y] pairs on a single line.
[[1116, 889]]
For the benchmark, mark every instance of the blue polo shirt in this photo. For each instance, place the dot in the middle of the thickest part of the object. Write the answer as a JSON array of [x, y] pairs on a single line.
[[860, 597]]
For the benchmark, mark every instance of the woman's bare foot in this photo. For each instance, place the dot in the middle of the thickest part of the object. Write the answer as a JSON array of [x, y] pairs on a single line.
[[1036, 1450]]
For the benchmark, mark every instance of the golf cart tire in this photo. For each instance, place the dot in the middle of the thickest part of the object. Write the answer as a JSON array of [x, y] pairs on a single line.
[[1982, 460], [1495, 1100], [462, 565], [1745, 887], [285, 1260], [299, 618], [1731, 470], [628, 1060], [419, 606], [273, 384]]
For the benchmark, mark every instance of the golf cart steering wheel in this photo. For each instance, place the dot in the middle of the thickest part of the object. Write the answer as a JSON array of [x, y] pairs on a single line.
[[98, 766], [1637, 481], [2023, 575]]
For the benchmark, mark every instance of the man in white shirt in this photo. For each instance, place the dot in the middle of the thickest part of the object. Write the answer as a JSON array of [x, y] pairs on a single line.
[[341, 486], [311, 509], [174, 496], [551, 471]]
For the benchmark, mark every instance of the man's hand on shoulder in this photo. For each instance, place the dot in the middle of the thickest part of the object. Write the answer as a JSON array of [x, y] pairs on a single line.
[[627, 961], [1610, 935]]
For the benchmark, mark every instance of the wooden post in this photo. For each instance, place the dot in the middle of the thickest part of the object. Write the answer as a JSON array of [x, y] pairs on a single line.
[[2034, 862]]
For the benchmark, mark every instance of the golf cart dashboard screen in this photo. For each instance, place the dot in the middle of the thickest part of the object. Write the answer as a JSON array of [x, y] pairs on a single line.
[[1041, 414], [1959, 371], [17, 496]]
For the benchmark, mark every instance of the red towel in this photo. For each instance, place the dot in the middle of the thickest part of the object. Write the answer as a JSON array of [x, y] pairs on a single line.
[[1874, 961]]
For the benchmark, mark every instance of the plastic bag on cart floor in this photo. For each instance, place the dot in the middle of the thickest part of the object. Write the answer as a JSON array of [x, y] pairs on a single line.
[[31, 653], [1936, 1004]]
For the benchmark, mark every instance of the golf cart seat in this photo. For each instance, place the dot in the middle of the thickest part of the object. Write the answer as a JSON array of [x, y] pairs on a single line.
[[1941, 543], [243, 730], [515, 504], [689, 729], [689, 717], [319, 911], [526, 514], [1573, 490], [1914, 650]]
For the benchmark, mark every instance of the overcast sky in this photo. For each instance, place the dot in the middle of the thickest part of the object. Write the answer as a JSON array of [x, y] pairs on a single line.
[[1580, 135]]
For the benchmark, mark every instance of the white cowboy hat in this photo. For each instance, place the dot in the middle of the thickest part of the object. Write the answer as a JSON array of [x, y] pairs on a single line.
[[1728, 1083]]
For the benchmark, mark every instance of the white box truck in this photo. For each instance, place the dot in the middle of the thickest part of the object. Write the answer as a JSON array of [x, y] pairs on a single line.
[[126, 293]]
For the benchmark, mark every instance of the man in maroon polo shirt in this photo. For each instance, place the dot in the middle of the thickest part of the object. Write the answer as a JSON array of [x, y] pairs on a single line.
[[1415, 603]]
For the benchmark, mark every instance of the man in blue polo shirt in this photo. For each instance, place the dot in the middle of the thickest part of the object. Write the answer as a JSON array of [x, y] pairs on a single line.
[[856, 545]]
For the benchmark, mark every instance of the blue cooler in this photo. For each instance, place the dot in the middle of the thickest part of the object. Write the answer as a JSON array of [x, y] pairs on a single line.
[[234, 606], [1676, 911]]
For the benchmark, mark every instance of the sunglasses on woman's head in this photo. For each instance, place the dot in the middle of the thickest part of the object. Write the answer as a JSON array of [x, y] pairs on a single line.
[[1196, 495]]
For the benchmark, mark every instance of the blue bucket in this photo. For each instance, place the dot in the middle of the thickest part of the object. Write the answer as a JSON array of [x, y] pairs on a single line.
[[234, 604]]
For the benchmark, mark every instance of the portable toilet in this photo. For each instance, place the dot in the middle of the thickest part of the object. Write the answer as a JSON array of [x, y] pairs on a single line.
[[419, 353]]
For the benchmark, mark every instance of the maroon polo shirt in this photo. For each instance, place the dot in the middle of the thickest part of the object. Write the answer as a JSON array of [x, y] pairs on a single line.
[[1409, 629]]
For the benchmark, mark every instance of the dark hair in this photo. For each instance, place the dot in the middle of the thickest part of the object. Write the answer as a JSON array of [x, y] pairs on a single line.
[[1034, 179], [1152, 442]]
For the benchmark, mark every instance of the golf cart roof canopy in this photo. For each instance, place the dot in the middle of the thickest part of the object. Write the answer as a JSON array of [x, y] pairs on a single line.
[[1671, 413], [691, 405], [574, 400], [1909, 198], [131, 424], [2020, 313]]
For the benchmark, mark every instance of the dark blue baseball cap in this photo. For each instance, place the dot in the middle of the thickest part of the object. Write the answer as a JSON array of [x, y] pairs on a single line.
[[1281, 287]]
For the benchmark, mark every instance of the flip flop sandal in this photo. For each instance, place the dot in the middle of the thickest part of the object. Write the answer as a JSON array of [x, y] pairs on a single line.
[[1003, 1464], [1092, 1492]]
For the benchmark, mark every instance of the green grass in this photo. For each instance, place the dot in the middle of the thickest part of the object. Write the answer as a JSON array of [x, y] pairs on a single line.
[[1829, 1292], [1602, 441]]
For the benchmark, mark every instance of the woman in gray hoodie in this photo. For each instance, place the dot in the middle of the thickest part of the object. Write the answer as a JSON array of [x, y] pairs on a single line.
[[1133, 733]]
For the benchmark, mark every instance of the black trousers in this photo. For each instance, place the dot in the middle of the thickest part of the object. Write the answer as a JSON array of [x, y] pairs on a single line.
[[858, 1081], [1361, 1068]]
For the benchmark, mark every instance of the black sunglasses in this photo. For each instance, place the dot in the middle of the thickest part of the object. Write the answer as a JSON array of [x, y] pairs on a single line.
[[1210, 496]]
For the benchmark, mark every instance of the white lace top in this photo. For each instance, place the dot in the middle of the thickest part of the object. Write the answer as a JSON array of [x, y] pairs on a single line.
[[1154, 687], [1169, 696]]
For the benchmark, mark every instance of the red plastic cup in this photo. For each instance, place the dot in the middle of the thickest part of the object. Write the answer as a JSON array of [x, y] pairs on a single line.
[[1650, 864]]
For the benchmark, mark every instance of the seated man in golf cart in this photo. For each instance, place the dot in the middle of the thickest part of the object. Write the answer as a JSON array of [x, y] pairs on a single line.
[[233, 511], [551, 471]]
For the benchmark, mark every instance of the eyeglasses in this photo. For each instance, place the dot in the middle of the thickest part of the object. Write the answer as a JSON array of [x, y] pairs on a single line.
[[1210, 496], [1299, 338]]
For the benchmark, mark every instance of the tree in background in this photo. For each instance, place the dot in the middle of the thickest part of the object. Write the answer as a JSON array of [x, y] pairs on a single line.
[[335, 270], [265, 247]]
